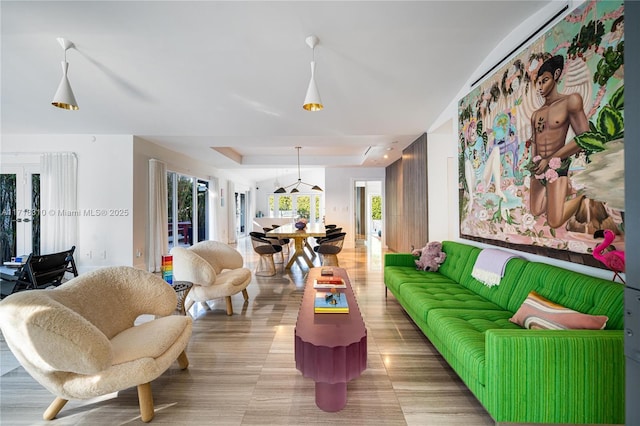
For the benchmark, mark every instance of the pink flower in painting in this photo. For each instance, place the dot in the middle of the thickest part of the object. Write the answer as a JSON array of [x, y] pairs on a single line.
[[551, 175], [537, 158], [555, 163], [540, 177]]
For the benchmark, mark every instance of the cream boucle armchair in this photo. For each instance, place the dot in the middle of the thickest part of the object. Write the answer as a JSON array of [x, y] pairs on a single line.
[[79, 340], [215, 269]]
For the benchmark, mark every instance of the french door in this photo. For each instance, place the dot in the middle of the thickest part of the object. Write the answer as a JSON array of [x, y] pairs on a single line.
[[19, 211], [188, 210]]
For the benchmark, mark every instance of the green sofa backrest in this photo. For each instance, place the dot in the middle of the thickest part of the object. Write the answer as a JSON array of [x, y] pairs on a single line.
[[580, 292], [459, 261], [459, 264], [577, 291]]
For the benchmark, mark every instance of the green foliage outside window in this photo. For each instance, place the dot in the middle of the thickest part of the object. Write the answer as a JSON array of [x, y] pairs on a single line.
[[376, 207], [304, 206], [185, 199], [284, 204]]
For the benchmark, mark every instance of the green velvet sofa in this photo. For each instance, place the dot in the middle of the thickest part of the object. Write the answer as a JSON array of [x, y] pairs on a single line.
[[519, 375]]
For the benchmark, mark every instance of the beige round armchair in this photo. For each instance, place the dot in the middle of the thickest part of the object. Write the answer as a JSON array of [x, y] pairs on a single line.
[[79, 340], [215, 269]]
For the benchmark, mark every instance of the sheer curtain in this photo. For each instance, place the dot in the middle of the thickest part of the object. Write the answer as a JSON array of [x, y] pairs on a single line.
[[231, 211], [58, 201], [158, 225]]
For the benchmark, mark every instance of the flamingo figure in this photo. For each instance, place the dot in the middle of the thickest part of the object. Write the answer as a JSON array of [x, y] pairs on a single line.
[[613, 259]]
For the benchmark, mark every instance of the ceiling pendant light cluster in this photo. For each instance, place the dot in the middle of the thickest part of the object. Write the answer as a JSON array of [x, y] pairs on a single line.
[[295, 189], [64, 97], [312, 101]]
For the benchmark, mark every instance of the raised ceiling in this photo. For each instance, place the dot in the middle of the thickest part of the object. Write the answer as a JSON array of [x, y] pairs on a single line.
[[224, 82]]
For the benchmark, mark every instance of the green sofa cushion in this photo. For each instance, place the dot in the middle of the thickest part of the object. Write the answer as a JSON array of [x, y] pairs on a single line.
[[397, 276], [422, 298], [462, 333]]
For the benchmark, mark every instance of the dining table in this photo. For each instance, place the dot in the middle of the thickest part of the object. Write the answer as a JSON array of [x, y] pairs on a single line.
[[299, 237]]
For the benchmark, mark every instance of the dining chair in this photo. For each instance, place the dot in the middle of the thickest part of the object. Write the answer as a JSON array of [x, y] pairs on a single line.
[[266, 248], [329, 248]]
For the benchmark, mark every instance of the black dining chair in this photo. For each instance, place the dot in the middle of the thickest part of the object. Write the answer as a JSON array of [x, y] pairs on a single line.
[[329, 248], [266, 248]]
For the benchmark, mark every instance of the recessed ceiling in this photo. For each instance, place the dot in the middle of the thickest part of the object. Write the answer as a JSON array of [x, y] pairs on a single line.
[[201, 76]]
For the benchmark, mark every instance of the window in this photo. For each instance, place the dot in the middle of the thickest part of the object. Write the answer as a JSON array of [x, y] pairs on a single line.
[[287, 205], [188, 209]]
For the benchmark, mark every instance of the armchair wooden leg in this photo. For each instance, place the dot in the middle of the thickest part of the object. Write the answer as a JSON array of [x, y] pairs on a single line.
[[245, 294], [54, 408], [229, 305], [145, 399], [183, 361]]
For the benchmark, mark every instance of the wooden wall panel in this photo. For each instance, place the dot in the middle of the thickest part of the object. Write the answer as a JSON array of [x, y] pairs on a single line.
[[393, 205], [406, 199]]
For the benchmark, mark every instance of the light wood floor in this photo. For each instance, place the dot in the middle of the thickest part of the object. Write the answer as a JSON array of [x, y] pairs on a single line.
[[242, 369]]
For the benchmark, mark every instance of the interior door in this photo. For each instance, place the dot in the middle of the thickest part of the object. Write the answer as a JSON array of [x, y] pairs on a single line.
[[20, 211]]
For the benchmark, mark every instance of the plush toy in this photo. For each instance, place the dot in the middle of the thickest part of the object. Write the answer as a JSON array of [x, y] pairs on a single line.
[[431, 256]]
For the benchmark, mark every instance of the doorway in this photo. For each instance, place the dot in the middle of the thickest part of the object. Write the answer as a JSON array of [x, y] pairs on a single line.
[[20, 211], [367, 211], [241, 213]]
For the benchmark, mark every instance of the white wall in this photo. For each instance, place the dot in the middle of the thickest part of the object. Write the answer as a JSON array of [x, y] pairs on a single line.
[[447, 142], [439, 152], [105, 182], [339, 196]]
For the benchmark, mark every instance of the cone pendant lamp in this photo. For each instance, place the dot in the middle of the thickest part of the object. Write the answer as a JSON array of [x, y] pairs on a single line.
[[64, 97], [312, 101]]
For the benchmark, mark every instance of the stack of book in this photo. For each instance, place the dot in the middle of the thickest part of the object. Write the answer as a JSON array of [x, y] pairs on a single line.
[[328, 302], [331, 301], [328, 280]]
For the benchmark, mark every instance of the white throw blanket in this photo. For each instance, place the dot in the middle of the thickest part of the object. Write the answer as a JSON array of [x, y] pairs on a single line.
[[490, 265]]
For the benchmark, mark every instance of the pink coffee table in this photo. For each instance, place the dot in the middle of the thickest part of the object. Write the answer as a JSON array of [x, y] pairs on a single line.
[[330, 348]]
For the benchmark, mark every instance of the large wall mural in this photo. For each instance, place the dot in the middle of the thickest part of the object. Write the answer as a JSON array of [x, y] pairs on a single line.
[[541, 147]]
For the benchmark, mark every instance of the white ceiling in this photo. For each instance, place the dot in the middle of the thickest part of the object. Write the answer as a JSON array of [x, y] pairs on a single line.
[[193, 76]]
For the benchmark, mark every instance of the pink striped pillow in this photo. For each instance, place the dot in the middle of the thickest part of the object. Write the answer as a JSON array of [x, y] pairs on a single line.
[[536, 312]]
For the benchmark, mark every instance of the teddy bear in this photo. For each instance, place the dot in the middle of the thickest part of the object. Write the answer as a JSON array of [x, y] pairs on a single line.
[[431, 256]]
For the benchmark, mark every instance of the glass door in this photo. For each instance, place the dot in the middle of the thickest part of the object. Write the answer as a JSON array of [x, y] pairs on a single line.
[[203, 209], [19, 211]]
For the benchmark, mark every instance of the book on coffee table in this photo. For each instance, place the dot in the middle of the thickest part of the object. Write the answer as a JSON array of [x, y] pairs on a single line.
[[326, 271], [331, 303], [329, 282]]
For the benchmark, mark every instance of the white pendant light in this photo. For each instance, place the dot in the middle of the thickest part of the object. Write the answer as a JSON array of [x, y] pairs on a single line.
[[64, 97], [312, 101]]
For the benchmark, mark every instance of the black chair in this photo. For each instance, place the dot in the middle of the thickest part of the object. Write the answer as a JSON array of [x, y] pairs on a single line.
[[329, 233], [329, 248], [266, 249], [284, 242], [47, 270]]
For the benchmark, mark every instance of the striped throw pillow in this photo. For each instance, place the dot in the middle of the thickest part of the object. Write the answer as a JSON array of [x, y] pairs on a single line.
[[536, 312]]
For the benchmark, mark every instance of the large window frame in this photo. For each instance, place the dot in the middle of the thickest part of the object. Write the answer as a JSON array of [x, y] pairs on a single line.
[[188, 219], [293, 206]]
